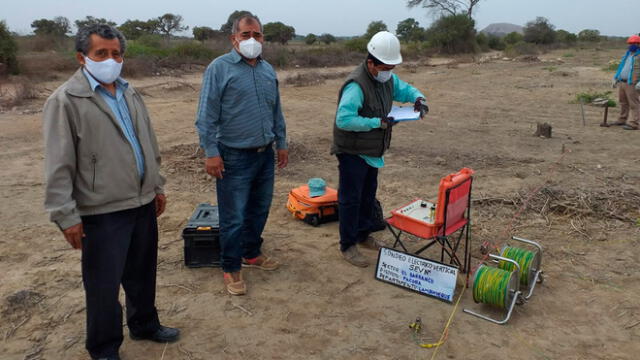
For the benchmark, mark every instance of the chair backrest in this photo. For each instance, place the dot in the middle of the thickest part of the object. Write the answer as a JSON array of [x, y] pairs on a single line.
[[453, 197]]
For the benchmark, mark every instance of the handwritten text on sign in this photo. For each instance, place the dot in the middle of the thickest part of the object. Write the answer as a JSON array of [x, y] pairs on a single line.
[[415, 273]]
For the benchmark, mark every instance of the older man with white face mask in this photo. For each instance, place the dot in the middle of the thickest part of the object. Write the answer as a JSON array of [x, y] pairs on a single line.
[[239, 121], [104, 190]]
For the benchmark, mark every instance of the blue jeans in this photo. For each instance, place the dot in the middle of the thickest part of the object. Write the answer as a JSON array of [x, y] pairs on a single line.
[[244, 198], [356, 195]]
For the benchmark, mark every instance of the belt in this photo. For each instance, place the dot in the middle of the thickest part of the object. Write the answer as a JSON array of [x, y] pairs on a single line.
[[254, 150]]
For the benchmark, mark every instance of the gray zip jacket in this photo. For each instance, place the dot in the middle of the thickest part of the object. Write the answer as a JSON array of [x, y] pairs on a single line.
[[90, 167]]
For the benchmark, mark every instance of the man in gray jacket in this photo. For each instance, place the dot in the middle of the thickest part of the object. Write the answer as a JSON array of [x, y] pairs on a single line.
[[104, 190]]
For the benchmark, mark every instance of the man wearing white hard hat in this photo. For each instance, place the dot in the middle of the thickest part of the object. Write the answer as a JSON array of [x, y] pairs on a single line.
[[362, 134], [628, 80]]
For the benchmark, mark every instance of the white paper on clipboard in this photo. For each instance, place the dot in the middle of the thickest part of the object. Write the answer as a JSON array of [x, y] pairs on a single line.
[[404, 113]]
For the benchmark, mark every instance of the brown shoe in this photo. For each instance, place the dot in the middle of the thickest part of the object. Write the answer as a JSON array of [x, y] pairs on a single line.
[[370, 243], [261, 262], [354, 257], [234, 283]]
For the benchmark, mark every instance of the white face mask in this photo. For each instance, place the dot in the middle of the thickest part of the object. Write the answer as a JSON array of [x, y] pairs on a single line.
[[384, 76], [250, 49], [106, 71]]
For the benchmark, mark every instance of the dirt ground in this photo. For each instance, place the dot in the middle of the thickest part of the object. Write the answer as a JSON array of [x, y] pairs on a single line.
[[580, 189]]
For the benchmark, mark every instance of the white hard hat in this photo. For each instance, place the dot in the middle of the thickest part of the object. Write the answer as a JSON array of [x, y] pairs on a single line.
[[385, 47]]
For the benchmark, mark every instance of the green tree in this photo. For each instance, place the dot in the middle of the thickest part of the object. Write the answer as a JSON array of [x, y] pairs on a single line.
[[513, 38], [327, 38], [57, 27], [278, 32], [410, 30], [590, 35], [495, 42], [90, 20], [8, 49], [134, 29], [453, 34], [227, 27], [374, 28], [566, 37], [310, 39], [170, 23], [446, 7], [539, 31], [203, 33]]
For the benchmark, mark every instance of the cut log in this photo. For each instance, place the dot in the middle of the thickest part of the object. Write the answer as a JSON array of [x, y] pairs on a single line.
[[543, 130]]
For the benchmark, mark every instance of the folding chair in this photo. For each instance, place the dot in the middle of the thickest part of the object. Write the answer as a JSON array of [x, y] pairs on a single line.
[[453, 214]]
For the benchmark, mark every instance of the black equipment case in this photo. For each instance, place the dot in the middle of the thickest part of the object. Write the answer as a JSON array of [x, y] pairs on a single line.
[[202, 238]]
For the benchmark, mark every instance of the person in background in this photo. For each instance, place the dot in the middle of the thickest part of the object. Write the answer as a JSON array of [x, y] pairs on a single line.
[[627, 79], [239, 119], [104, 190], [362, 134]]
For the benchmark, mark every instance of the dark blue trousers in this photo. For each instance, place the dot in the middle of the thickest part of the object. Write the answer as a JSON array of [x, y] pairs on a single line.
[[119, 248], [244, 198], [356, 195]]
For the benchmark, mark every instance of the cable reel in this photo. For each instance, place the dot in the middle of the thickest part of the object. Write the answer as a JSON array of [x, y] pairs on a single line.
[[497, 287], [530, 263]]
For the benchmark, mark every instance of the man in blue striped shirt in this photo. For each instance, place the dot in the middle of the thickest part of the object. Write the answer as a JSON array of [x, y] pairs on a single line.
[[239, 119]]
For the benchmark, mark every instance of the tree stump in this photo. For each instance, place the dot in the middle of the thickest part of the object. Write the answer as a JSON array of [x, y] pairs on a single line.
[[543, 130]]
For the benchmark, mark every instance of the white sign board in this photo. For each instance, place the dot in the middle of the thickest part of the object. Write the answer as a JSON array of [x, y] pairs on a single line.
[[424, 276]]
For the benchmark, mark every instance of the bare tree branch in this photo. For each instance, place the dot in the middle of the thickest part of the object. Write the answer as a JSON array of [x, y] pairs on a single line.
[[449, 7]]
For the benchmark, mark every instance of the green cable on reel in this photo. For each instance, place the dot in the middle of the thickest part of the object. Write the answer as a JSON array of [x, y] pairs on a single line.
[[491, 286], [529, 262]]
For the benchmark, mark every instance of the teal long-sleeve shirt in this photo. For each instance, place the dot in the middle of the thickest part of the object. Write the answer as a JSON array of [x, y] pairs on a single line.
[[351, 102]]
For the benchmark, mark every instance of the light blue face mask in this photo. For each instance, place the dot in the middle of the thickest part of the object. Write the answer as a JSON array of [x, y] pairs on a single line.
[[384, 76]]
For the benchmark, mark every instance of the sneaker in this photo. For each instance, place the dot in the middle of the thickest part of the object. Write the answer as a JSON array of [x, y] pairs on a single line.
[[629, 127], [234, 283], [261, 262], [370, 243], [353, 256]]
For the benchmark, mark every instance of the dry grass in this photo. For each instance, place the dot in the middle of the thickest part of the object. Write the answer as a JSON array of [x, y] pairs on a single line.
[[309, 78], [16, 93]]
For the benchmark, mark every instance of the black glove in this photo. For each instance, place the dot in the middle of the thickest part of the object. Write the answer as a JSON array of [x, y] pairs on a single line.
[[421, 105], [387, 122]]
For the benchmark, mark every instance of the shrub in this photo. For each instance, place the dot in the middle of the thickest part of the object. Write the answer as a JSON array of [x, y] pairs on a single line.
[[358, 44], [453, 34], [8, 50], [589, 97], [496, 43], [310, 39], [483, 41], [539, 31], [194, 50], [513, 38], [589, 35], [521, 48], [566, 37], [16, 93]]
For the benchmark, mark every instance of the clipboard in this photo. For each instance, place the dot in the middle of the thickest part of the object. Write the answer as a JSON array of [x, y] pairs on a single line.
[[404, 113]]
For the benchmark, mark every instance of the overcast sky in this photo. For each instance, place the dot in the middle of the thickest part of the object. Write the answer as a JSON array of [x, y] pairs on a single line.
[[338, 17]]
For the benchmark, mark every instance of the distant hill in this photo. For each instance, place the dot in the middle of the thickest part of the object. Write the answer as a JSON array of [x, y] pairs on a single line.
[[502, 29]]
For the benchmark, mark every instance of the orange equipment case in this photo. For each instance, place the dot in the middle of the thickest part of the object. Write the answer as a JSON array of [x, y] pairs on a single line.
[[426, 229], [313, 210]]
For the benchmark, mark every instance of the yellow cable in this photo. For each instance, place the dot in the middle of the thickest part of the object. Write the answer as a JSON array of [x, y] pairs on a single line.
[[446, 328]]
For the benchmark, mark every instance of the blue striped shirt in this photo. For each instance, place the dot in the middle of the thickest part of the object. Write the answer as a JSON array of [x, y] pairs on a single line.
[[120, 110], [239, 106]]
